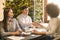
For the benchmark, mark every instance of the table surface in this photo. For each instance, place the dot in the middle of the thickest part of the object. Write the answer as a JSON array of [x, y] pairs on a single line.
[[22, 37], [32, 36]]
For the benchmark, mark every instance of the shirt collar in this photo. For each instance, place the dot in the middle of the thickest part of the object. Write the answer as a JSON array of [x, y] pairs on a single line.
[[24, 15]]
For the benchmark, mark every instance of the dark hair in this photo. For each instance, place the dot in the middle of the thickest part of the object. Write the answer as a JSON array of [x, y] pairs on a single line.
[[52, 10], [6, 11], [23, 7]]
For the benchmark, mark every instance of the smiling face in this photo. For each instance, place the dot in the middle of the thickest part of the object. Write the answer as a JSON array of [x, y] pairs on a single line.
[[25, 11], [10, 13]]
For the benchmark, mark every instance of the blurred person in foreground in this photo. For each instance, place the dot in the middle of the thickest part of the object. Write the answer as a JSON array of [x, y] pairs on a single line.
[[54, 23]]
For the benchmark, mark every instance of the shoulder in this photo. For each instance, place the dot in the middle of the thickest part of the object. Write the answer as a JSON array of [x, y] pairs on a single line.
[[14, 19], [29, 17], [19, 16], [54, 19], [58, 21]]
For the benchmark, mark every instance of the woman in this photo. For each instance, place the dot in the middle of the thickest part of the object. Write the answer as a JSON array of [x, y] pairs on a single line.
[[54, 23], [11, 26]]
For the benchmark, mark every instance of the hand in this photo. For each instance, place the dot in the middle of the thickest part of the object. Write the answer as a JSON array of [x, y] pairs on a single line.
[[20, 31], [39, 33], [35, 32], [37, 24]]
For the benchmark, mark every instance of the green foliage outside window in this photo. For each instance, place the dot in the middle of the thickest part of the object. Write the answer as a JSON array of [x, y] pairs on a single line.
[[17, 4], [39, 10]]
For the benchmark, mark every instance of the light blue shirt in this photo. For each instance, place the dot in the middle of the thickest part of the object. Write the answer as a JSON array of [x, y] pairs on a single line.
[[12, 27]]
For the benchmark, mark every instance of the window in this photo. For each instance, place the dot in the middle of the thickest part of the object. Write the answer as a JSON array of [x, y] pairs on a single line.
[[57, 2], [38, 10]]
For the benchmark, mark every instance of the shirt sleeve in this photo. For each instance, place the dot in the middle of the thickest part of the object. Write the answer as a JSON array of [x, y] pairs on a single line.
[[17, 25], [52, 27], [3, 33]]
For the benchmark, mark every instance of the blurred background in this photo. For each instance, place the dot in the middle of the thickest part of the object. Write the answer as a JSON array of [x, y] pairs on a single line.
[[36, 8]]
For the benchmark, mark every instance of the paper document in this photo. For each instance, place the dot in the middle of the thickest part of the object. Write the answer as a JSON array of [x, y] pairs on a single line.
[[16, 37]]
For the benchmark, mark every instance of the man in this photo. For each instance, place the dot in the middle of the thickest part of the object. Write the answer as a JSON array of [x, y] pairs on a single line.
[[24, 19]]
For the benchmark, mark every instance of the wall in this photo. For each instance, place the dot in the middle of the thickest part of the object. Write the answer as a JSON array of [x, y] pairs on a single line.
[[1, 9]]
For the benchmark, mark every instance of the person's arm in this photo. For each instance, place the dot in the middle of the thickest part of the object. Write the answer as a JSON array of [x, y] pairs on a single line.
[[39, 33], [36, 24], [3, 33], [52, 27], [18, 27], [17, 30]]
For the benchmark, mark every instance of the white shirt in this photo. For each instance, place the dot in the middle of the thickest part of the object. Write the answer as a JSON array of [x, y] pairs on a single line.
[[24, 20]]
